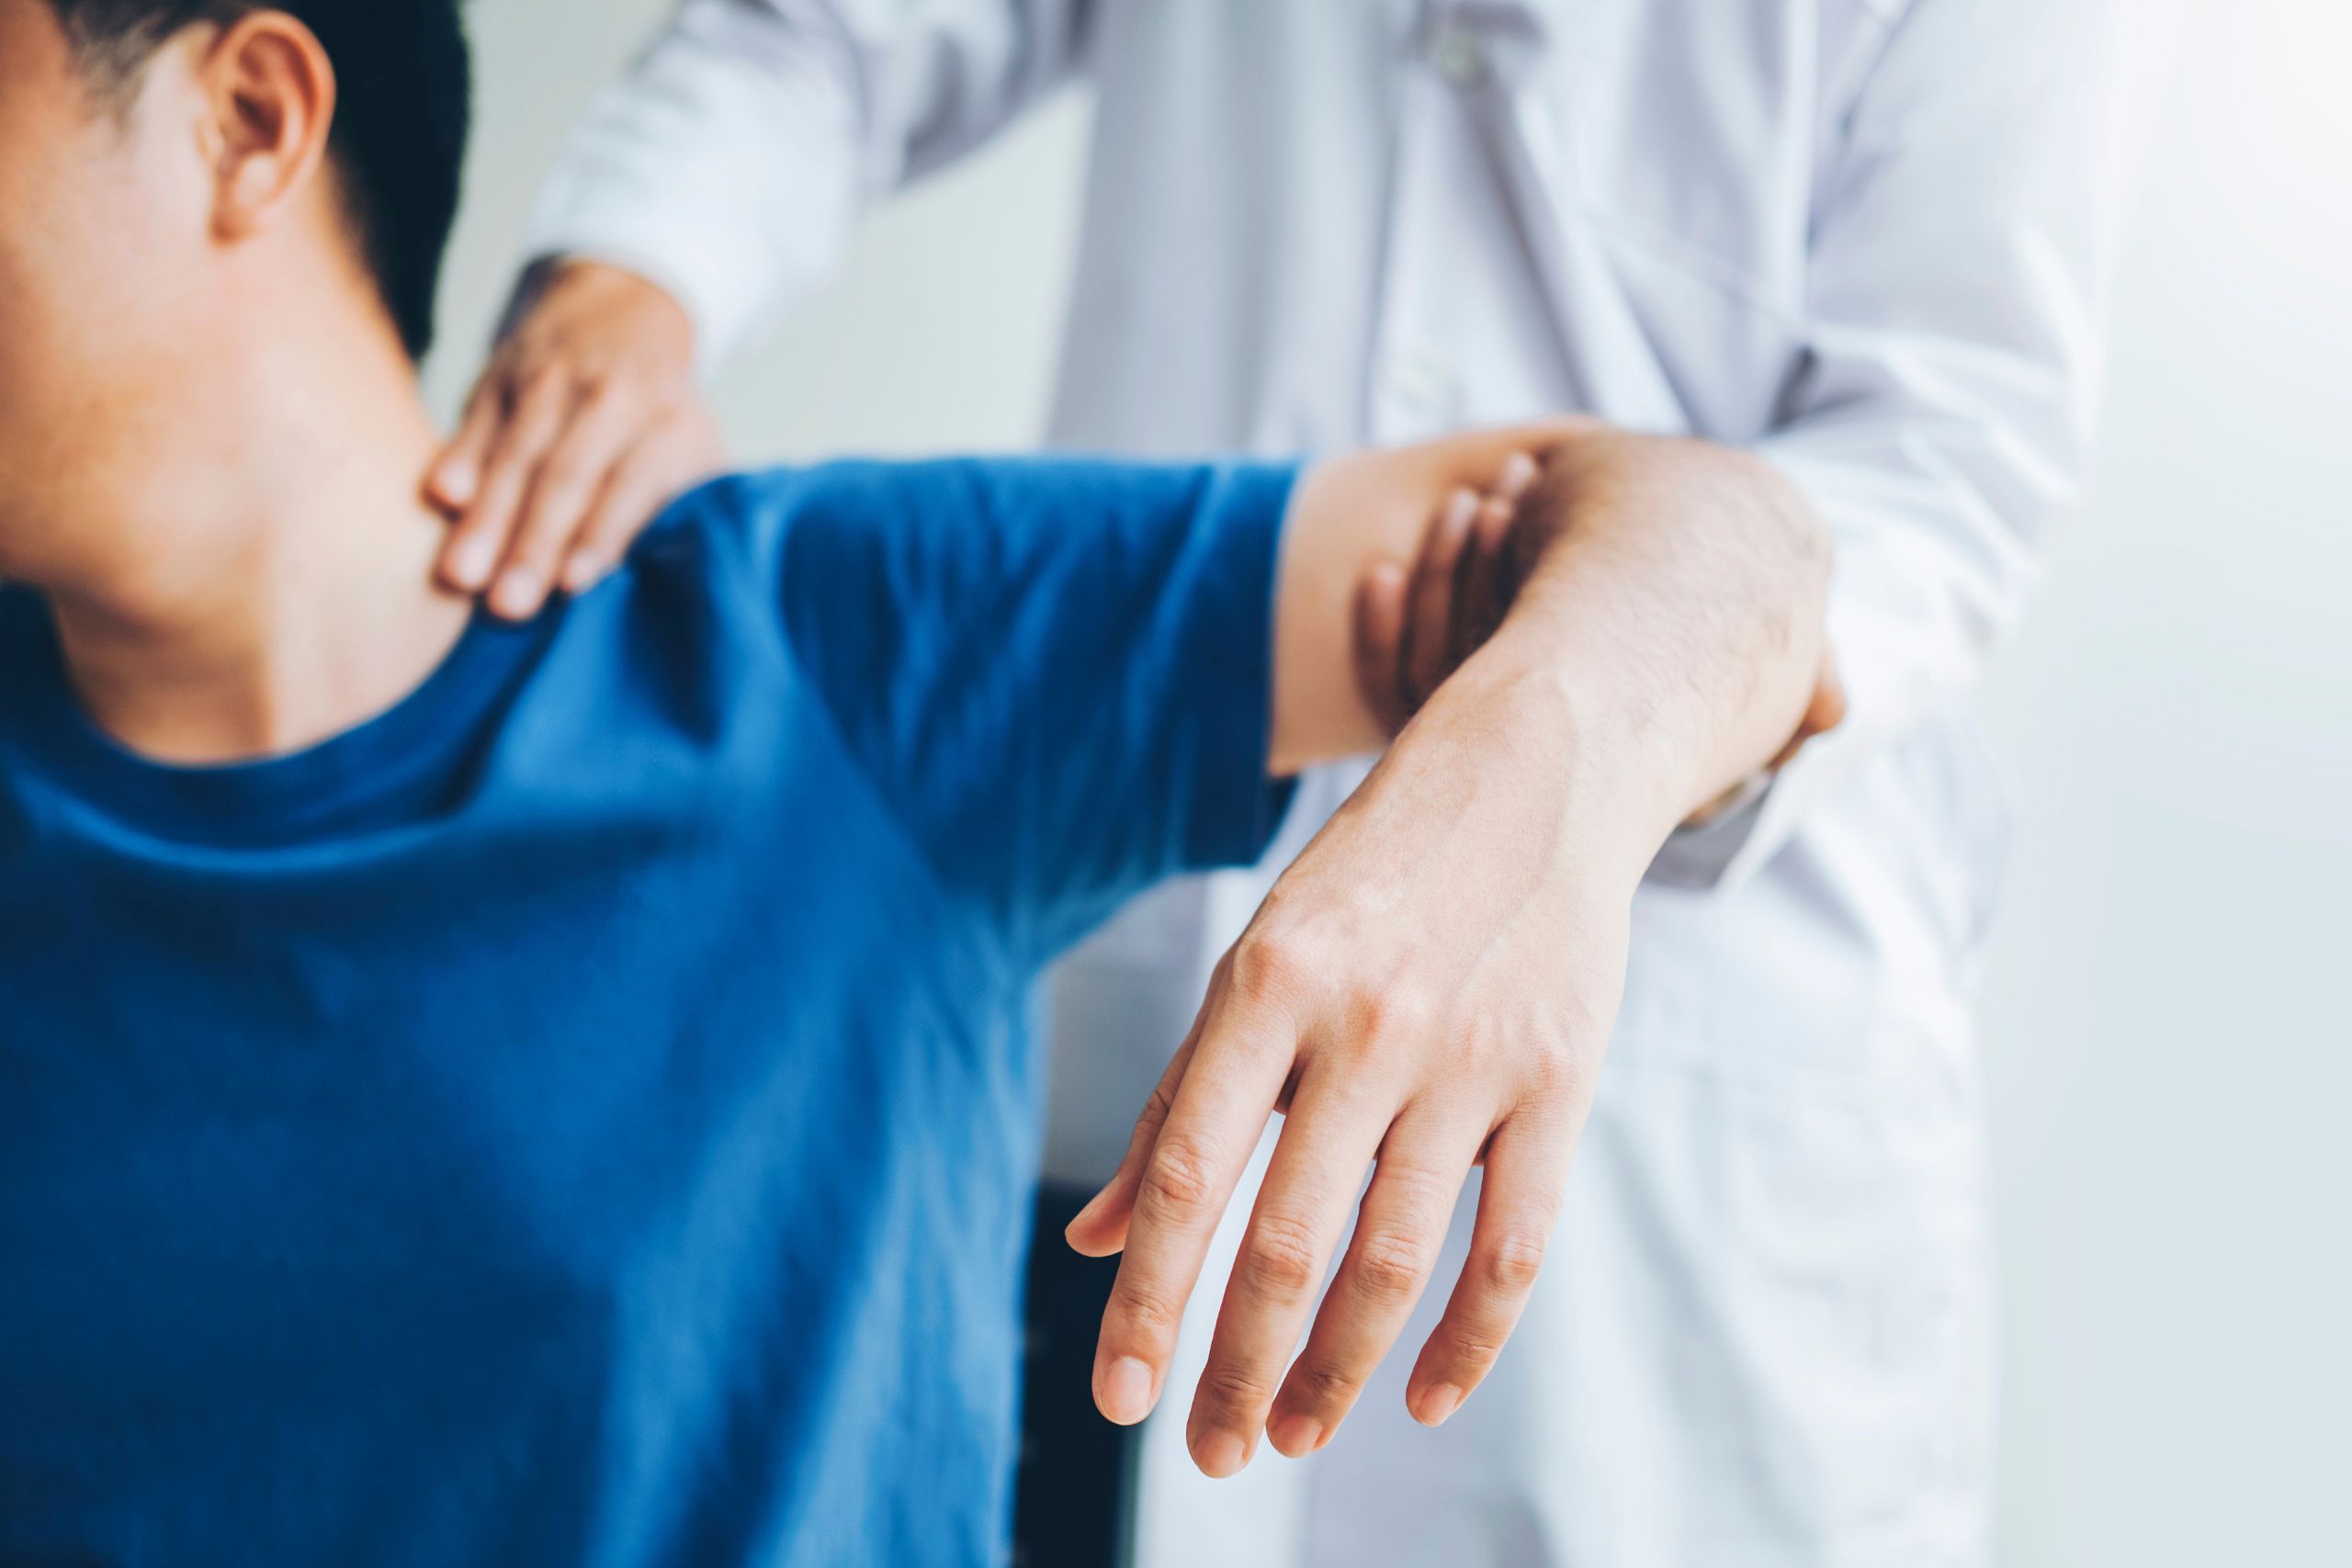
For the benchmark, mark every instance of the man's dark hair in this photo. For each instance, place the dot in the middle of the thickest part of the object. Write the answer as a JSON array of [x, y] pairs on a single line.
[[404, 102]]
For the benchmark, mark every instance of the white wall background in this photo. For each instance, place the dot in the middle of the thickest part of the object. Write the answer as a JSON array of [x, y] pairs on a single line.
[[2168, 1039]]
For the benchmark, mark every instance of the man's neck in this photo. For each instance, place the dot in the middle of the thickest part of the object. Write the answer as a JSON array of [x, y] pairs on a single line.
[[283, 593]]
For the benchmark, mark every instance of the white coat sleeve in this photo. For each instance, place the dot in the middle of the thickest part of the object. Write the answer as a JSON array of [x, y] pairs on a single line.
[[1964, 231], [731, 162]]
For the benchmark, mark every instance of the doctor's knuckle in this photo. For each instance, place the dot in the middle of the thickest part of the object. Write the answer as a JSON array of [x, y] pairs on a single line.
[[595, 386], [539, 388], [566, 473]]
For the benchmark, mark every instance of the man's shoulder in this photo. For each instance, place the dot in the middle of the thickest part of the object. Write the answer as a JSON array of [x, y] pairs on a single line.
[[835, 526], [725, 529], [767, 550], [742, 515]]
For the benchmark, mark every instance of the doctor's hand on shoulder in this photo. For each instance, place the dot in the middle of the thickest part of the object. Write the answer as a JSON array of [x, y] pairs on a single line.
[[586, 421]]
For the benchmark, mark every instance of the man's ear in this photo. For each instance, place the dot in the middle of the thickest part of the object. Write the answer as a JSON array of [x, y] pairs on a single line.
[[269, 96]]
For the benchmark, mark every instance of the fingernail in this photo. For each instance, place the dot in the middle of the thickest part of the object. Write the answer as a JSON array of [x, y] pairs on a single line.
[[581, 571], [455, 483], [1438, 1404], [1126, 1391], [519, 593], [1518, 472], [1296, 1435], [472, 561], [1219, 1455], [1461, 509]]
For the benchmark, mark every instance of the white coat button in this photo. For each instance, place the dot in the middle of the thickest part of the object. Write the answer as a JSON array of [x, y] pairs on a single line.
[[1459, 59], [1422, 379]]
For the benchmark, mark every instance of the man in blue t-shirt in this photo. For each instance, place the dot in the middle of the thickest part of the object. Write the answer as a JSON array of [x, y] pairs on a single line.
[[557, 1093]]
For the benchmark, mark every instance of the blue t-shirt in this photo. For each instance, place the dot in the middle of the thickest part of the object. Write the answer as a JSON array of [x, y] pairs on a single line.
[[583, 1116]]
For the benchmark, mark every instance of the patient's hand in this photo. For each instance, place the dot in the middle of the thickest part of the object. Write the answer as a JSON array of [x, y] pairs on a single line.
[[1405, 1039], [585, 422], [1431, 987]]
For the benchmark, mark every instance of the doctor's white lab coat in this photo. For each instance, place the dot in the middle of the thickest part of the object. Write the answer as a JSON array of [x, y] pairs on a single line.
[[1867, 238]]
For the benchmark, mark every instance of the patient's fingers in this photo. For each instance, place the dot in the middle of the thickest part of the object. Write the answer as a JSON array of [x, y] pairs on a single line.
[[1228, 1092], [1527, 1172], [1100, 1229], [1400, 1226], [1327, 1145]]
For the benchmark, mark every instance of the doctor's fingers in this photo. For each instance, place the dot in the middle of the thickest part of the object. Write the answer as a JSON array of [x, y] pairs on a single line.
[[455, 480], [1824, 713], [1334, 1127], [1227, 1092], [1380, 644], [681, 451], [1482, 590], [530, 419], [1428, 653], [1416, 628], [604, 428], [1519, 1202]]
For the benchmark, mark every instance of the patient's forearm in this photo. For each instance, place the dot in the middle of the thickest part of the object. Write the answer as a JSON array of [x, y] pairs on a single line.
[[1434, 980]]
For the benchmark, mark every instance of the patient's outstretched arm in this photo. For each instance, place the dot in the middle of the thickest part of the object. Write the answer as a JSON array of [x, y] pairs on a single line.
[[1433, 983]]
